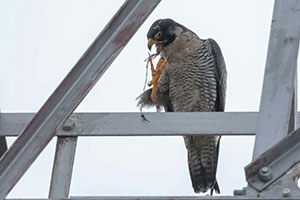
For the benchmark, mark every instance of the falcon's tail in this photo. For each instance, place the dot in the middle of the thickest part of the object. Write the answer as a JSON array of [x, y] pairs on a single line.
[[202, 160], [216, 188]]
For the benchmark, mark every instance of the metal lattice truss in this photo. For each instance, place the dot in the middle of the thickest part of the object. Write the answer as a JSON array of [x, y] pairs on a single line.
[[271, 174]]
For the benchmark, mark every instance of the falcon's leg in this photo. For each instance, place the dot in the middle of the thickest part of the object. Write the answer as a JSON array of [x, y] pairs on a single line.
[[155, 75]]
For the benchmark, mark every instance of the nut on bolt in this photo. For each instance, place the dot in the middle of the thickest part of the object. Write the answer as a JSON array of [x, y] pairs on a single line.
[[286, 192], [68, 126], [264, 169], [265, 174]]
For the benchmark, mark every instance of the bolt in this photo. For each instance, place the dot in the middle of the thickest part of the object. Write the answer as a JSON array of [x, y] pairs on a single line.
[[286, 192], [68, 126], [258, 195], [265, 174], [264, 170], [239, 192]]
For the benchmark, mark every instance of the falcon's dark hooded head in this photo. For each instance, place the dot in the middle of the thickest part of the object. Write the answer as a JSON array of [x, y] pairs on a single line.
[[161, 33]]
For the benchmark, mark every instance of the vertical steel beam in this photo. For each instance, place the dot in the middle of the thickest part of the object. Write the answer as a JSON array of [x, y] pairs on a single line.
[[71, 91], [295, 171], [279, 80], [294, 106], [3, 144], [62, 167]]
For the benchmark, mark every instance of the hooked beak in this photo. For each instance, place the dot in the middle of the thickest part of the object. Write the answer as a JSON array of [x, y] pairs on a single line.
[[159, 44], [150, 43]]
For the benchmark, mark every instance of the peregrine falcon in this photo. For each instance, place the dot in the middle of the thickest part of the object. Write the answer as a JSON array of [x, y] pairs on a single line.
[[192, 80]]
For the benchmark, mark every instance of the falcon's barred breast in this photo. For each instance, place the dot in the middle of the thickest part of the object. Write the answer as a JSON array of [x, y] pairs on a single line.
[[194, 80]]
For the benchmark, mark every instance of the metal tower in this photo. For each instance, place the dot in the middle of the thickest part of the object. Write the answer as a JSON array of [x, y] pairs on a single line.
[[271, 174]]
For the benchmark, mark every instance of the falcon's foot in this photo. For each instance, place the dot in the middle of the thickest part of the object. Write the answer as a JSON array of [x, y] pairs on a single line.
[[155, 75]]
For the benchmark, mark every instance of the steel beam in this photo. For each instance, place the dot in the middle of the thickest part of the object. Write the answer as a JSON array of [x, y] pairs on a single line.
[[280, 73], [131, 124], [63, 167], [3, 144], [72, 90], [166, 198], [176, 198], [13, 124]]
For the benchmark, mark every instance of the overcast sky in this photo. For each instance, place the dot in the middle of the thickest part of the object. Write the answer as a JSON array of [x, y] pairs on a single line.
[[40, 41]]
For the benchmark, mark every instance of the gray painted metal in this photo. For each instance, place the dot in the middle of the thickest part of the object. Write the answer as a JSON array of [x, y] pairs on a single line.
[[294, 107], [166, 198], [71, 91], [3, 144], [279, 79], [293, 112], [293, 125], [276, 118], [12, 124], [131, 124], [279, 159], [172, 198], [283, 187], [62, 167]]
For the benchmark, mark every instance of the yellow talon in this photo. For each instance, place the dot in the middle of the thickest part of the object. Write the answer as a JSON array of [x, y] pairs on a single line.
[[155, 75]]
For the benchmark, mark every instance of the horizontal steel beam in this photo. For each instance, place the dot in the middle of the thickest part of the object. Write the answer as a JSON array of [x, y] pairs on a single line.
[[131, 124], [275, 162], [75, 86], [164, 198]]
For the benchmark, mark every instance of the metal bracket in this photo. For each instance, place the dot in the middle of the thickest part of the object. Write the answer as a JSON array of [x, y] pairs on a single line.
[[284, 187], [274, 163]]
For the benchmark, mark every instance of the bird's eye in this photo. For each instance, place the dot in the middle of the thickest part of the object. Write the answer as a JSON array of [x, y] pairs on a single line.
[[158, 35]]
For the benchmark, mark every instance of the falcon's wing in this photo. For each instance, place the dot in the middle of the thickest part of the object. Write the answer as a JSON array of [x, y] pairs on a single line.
[[162, 99], [221, 75]]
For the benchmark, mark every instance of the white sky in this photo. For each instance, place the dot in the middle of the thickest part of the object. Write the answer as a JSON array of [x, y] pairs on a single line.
[[42, 40]]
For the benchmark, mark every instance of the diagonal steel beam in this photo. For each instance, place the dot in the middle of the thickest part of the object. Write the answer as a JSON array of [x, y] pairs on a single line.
[[72, 90]]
